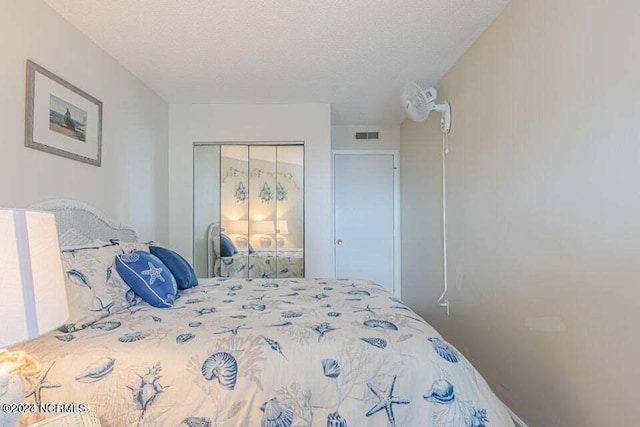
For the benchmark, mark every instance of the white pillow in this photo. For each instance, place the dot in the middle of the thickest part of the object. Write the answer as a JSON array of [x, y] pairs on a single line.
[[94, 287]]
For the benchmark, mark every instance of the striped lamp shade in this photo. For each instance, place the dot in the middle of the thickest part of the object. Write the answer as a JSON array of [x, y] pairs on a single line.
[[33, 299]]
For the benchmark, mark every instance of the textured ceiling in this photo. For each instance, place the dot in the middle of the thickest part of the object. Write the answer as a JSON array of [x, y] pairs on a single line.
[[353, 54]]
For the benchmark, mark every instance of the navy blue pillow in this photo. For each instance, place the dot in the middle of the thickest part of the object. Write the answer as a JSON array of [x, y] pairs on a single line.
[[251, 250], [227, 248], [148, 277], [179, 267]]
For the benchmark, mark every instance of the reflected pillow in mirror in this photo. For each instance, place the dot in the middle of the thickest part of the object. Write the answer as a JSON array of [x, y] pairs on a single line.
[[227, 248]]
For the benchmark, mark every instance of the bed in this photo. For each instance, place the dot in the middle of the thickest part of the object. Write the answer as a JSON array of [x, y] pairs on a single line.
[[265, 264], [262, 352]]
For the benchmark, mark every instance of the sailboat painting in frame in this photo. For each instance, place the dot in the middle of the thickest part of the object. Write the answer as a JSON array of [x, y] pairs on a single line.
[[62, 119]]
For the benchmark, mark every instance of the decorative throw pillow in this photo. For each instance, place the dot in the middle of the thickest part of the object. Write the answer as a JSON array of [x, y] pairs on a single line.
[[179, 267], [227, 248], [148, 277], [94, 289]]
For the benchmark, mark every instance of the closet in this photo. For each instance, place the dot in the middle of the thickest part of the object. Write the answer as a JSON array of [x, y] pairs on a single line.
[[248, 210]]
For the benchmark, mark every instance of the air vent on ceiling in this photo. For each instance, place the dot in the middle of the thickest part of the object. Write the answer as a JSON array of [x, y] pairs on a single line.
[[367, 135]]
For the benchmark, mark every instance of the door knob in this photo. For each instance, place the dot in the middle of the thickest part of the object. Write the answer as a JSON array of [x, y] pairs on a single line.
[[339, 242]]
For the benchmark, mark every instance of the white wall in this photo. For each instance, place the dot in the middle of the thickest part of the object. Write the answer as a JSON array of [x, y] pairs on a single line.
[[250, 123], [343, 138], [131, 184], [544, 210]]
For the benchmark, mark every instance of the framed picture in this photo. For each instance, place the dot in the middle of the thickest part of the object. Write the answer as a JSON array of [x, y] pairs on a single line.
[[62, 119]]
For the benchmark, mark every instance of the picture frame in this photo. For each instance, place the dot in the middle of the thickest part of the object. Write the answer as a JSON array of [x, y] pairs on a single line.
[[60, 118]]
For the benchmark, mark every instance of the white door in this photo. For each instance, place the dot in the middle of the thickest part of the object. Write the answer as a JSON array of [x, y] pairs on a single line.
[[364, 197]]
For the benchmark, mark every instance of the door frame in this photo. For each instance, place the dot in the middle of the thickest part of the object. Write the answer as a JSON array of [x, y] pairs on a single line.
[[397, 252]]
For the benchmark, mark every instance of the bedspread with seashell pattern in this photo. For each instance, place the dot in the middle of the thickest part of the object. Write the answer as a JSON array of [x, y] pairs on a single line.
[[269, 353]]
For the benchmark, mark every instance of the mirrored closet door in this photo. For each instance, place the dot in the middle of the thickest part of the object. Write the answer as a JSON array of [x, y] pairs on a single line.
[[248, 206]]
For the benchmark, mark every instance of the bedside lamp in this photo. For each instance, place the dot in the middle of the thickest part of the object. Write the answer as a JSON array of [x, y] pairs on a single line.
[[239, 229], [34, 299], [267, 229], [281, 228]]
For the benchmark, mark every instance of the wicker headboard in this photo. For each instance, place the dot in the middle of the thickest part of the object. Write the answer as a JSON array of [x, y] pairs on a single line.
[[81, 224]]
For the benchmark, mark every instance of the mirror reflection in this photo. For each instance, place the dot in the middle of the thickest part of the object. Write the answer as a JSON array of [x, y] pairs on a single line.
[[249, 210]]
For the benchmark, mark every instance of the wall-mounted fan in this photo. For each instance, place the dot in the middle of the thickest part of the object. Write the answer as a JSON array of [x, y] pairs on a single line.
[[419, 103]]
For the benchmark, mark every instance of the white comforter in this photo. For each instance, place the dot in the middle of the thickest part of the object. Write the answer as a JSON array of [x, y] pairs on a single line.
[[288, 352]]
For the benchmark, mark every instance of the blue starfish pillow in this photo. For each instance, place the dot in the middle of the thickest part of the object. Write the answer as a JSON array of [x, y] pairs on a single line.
[[148, 277]]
